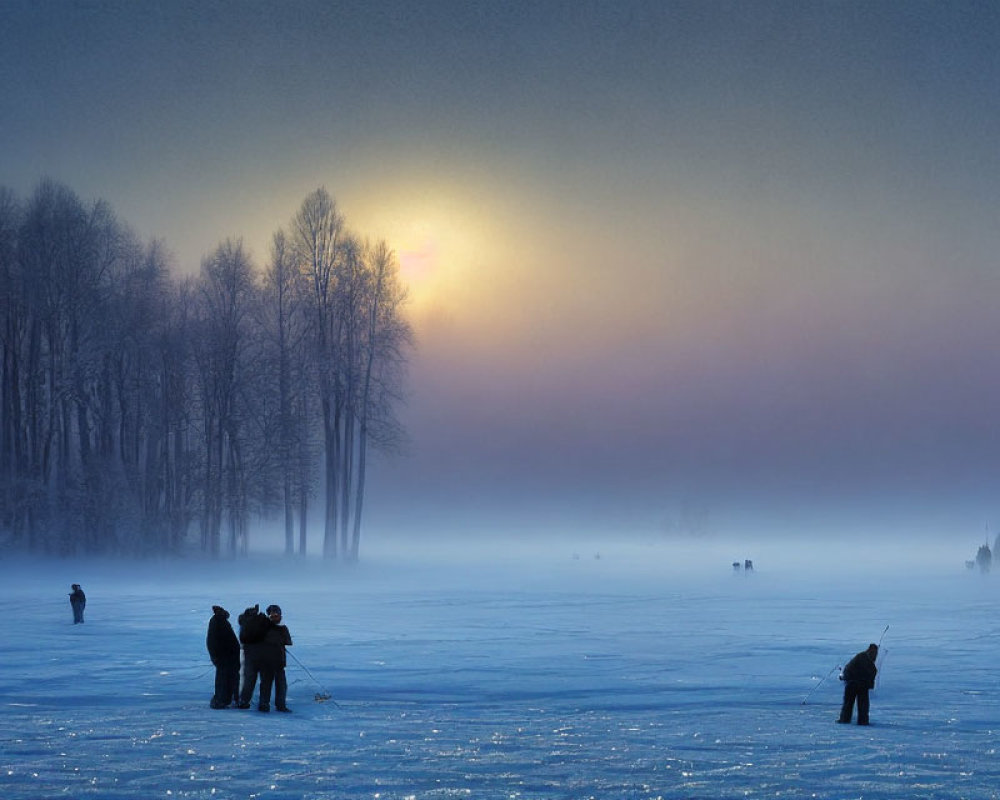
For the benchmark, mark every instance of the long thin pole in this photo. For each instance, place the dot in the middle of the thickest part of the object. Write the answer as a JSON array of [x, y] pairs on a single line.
[[881, 657], [327, 695], [804, 699]]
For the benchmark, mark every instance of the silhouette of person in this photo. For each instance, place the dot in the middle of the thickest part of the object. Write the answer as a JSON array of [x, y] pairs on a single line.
[[224, 650], [77, 601], [858, 677]]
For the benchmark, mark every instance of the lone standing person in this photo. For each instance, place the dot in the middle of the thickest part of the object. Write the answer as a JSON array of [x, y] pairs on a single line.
[[224, 650], [858, 677], [77, 601]]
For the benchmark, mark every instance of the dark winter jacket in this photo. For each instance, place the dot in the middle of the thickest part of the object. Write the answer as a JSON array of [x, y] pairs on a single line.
[[77, 597], [223, 646], [275, 641], [861, 669], [253, 625]]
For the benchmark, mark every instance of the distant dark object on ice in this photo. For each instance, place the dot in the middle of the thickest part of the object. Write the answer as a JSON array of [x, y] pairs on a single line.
[[984, 558], [78, 602], [747, 566]]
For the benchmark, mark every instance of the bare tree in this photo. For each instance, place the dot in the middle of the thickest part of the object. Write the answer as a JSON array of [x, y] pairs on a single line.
[[13, 312], [64, 251], [386, 339], [226, 294], [131, 406], [284, 327], [81, 303], [316, 238]]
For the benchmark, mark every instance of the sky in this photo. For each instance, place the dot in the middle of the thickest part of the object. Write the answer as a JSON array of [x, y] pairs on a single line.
[[675, 267]]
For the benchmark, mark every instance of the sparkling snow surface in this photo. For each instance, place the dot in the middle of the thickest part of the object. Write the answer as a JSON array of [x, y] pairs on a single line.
[[642, 673]]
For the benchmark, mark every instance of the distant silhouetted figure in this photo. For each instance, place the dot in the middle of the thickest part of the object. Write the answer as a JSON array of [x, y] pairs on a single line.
[[736, 566], [748, 565], [77, 601], [984, 558], [858, 677]]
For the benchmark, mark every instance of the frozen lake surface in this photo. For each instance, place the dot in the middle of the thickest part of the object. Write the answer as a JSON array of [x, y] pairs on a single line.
[[644, 673]]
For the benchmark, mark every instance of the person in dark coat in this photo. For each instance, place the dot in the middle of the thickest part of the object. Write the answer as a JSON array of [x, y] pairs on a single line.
[[858, 677], [272, 663], [253, 628], [224, 650], [77, 601]]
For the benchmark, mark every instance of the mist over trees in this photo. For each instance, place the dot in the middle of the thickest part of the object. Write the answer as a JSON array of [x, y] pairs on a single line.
[[142, 414]]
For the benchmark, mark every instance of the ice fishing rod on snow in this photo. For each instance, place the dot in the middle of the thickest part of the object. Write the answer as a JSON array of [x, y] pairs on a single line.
[[821, 680], [321, 696]]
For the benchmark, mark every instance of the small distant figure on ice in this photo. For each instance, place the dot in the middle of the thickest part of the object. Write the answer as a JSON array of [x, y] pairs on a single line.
[[984, 558], [224, 650], [858, 677], [77, 601], [747, 566]]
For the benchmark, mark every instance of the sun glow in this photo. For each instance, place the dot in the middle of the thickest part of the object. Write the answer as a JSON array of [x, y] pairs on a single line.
[[440, 243], [417, 265]]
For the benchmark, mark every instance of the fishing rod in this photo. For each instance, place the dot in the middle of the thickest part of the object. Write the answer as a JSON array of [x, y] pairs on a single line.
[[821, 680], [321, 696], [881, 657]]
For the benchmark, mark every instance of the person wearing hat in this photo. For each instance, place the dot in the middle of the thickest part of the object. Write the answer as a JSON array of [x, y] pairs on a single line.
[[858, 677], [77, 601], [272, 663], [224, 650]]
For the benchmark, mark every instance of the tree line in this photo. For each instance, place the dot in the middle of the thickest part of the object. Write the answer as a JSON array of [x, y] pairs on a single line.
[[142, 414]]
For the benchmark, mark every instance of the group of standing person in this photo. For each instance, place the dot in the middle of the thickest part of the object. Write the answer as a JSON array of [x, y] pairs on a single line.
[[262, 641]]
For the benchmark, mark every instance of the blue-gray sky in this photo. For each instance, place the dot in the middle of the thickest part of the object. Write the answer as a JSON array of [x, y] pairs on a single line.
[[733, 262]]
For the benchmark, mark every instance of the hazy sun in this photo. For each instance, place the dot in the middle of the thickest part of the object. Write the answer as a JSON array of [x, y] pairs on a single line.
[[417, 264], [434, 249], [441, 236]]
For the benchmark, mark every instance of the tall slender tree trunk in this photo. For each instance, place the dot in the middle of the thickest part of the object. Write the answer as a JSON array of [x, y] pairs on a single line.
[[303, 517], [346, 478], [359, 499], [330, 481], [289, 514]]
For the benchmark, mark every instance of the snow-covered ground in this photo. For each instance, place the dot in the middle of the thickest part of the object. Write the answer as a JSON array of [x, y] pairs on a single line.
[[644, 673]]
